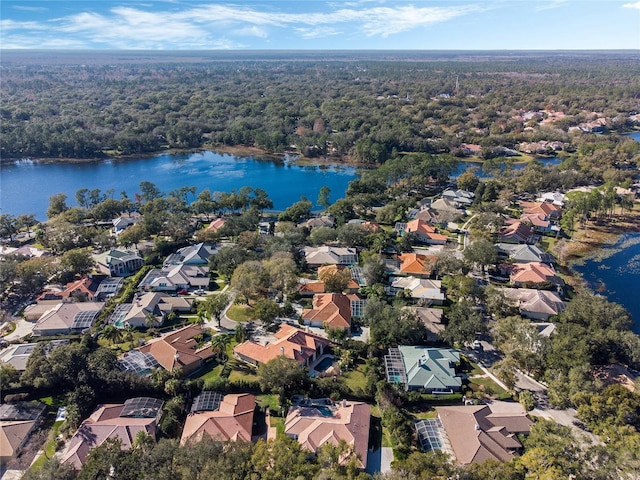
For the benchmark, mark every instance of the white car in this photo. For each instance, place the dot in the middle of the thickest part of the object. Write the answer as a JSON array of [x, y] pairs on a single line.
[[199, 291]]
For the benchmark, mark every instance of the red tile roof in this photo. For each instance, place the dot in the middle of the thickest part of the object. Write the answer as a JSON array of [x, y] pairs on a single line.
[[331, 309]]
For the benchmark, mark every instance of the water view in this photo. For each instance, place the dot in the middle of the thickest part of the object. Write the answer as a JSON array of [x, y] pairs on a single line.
[[464, 166], [617, 276], [25, 186]]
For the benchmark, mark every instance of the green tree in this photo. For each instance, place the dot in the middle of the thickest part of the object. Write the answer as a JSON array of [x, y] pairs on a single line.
[[219, 345], [297, 212], [214, 306], [250, 279], [282, 376], [464, 322], [57, 205], [282, 459], [323, 197], [112, 334]]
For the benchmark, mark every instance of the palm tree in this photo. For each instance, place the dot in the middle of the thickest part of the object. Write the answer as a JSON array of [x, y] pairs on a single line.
[[150, 320], [112, 334], [219, 346], [241, 333]]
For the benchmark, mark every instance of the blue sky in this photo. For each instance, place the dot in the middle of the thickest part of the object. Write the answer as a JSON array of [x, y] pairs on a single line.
[[326, 25]]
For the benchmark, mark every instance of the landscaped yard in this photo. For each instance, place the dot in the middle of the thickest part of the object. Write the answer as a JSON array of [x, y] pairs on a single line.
[[240, 313], [355, 379]]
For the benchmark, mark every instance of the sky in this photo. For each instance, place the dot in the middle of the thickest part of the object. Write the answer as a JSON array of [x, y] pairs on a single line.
[[320, 25]]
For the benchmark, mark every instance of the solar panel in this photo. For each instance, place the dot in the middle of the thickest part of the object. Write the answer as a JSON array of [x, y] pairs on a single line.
[[141, 407], [137, 362], [84, 319], [207, 402], [429, 434], [394, 366]]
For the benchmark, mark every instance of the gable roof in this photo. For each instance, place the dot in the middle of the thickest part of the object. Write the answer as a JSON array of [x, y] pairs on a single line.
[[419, 287], [290, 342], [349, 421], [62, 317], [484, 432], [330, 255], [88, 285], [545, 208], [331, 309], [232, 420], [13, 434], [216, 224]]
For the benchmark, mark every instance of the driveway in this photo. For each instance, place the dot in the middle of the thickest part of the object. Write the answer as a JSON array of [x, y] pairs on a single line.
[[23, 328]]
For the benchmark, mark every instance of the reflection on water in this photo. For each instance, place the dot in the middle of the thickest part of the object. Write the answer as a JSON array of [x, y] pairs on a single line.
[[617, 276]]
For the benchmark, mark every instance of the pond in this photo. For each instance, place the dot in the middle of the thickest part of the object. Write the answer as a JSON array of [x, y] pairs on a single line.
[[25, 186], [616, 274]]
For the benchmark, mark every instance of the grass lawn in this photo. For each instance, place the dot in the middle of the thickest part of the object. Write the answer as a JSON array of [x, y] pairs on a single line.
[[386, 439], [425, 414], [488, 386], [211, 371], [240, 313], [277, 422], [49, 447], [355, 379], [268, 400], [241, 371]]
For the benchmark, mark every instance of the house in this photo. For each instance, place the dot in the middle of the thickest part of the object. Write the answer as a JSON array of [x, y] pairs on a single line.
[[117, 421], [65, 318], [123, 222], [516, 232], [555, 198], [330, 270], [175, 277], [461, 198], [445, 206], [431, 318], [108, 288], [470, 148], [523, 253], [304, 347], [417, 288], [330, 310], [327, 255], [538, 222], [26, 251], [216, 225], [192, 255], [83, 289], [417, 264], [316, 425], [222, 418], [478, 433], [118, 262], [428, 215], [424, 368], [148, 310], [322, 221], [179, 349], [17, 422], [521, 274], [548, 210], [424, 232], [533, 303], [18, 355]]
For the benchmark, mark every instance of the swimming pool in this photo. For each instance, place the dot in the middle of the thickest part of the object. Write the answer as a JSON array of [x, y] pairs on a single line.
[[324, 364]]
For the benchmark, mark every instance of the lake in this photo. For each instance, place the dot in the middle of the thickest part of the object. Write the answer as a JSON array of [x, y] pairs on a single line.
[[618, 276], [25, 186], [464, 166]]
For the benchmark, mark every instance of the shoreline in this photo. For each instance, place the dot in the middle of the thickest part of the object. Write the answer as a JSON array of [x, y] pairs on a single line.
[[235, 150]]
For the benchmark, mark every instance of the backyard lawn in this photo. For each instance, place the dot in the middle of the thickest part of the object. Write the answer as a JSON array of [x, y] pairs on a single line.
[[355, 379]]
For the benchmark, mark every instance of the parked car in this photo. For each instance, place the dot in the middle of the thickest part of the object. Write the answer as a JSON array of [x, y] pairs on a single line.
[[184, 291], [199, 291]]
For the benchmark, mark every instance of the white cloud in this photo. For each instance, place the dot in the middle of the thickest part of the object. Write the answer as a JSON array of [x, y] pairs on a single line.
[[635, 5], [29, 8], [550, 5], [210, 25]]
